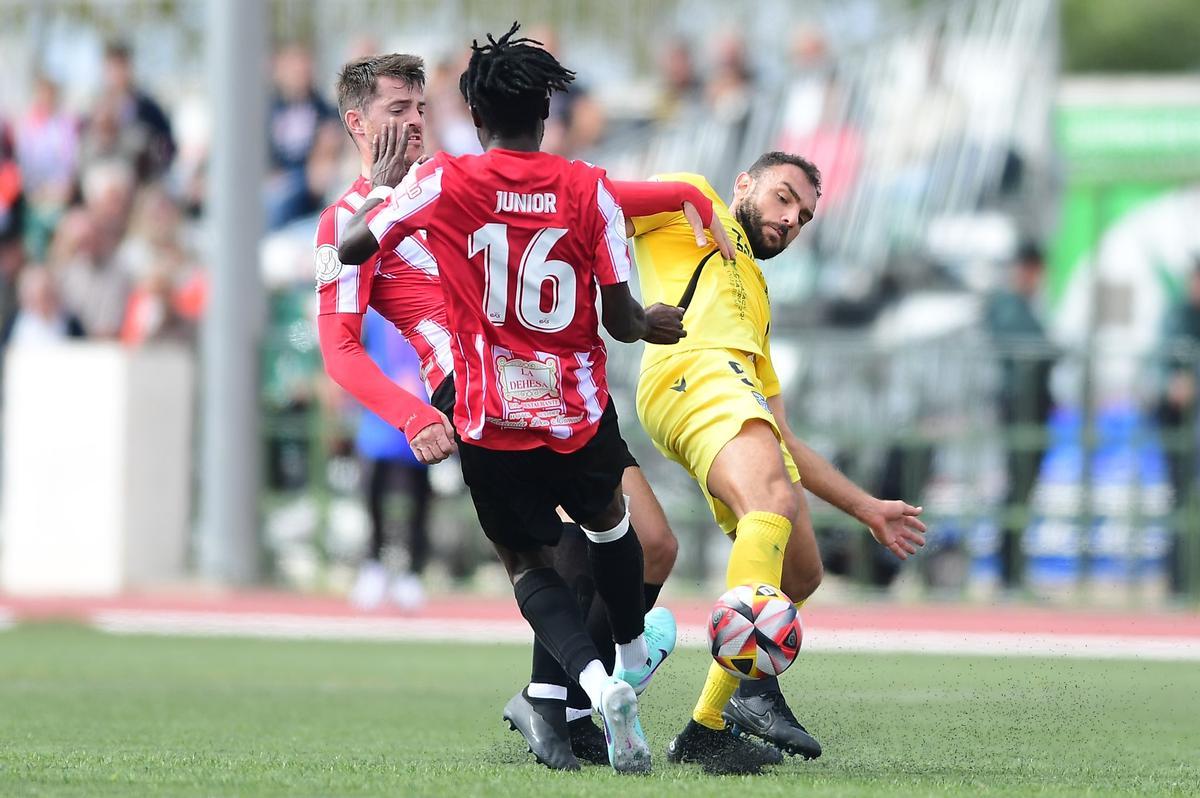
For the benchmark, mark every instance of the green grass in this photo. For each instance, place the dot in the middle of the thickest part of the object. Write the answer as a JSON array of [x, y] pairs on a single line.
[[83, 713]]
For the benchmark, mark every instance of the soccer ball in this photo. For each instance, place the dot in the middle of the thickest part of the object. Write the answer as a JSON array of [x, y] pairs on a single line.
[[754, 631]]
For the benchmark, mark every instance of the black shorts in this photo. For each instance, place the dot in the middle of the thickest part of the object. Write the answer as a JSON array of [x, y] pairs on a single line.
[[443, 399], [516, 493]]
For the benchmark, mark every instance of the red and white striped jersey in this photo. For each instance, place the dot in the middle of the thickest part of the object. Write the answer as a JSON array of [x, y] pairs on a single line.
[[522, 240], [400, 282]]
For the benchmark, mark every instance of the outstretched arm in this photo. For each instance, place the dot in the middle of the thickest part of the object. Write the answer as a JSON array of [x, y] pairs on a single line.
[[627, 321], [389, 166], [893, 523], [653, 197], [358, 242], [348, 364], [622, 315]]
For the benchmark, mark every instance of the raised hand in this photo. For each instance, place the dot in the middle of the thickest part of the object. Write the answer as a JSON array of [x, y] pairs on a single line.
[[664, 324], [389, 150]]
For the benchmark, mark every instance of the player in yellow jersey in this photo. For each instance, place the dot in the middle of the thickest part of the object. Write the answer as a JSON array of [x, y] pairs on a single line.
[[712, 403]]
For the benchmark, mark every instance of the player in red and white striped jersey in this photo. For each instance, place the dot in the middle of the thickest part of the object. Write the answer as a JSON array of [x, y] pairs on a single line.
[[522, 240], [405, 298], [528, 357], [401, 283]]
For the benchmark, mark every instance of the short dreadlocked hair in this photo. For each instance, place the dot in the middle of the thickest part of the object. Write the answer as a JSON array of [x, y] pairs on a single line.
[[508, 81]]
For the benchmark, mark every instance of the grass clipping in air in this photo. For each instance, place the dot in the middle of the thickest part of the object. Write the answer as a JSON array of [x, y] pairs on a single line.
[[90, 714]]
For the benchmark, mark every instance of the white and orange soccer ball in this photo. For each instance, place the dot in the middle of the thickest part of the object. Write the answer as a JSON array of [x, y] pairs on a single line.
[[754, 631]]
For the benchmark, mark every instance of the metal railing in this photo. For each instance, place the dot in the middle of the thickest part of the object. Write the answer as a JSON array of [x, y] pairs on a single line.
[[1109, 514]]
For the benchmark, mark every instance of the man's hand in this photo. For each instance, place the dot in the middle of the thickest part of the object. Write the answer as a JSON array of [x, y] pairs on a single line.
[[664, 324], [716, 228], [895, 525], [388, 155], [435, 442]]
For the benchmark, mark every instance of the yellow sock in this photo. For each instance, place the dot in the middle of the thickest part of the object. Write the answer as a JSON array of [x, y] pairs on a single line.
[[718, 687], [757, 556]]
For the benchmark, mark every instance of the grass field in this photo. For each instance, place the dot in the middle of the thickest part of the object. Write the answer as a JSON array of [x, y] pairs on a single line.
[[84, 713]]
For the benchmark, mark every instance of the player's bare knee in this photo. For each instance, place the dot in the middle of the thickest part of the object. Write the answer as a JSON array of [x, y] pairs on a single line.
[[779, 497], [659, 549], [800, 581], [519, 563]]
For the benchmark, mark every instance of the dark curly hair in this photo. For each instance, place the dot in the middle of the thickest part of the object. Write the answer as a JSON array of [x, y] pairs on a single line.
[[508, 82]]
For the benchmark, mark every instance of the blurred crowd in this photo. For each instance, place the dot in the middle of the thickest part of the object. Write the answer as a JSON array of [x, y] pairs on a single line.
[[94, 240], [102, 207]]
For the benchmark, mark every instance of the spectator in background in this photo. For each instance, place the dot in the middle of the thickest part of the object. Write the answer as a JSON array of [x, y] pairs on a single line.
[[816, 119], [304, 140], [1176, 414], [136, 113], [47, 146], [108, 189], [85, 255], [12, 224], [681, 92], [448, 122], [40, 317], [730, 89], [157, 236], [388, 463], [165, 270], [152, 313], [106, 138], [1026, 360], [577, 120]]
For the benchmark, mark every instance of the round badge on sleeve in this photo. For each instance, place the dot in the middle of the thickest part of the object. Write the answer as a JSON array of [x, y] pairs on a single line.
[[328, 265]]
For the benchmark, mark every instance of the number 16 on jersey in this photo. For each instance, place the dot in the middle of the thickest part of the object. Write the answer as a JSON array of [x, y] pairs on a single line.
[[545, 290]]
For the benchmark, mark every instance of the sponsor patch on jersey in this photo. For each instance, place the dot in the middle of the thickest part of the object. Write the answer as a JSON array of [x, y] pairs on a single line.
[[527, 380], [762, 400], [328, 264]]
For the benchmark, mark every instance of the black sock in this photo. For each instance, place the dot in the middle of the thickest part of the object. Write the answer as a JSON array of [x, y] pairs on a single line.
[[547, 603], [617, 569], [546, 669], [600, 631], [571, 563], [651, 594], [751, 687]]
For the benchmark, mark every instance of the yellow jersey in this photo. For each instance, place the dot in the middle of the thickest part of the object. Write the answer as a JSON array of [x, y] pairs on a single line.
[[729, 309]]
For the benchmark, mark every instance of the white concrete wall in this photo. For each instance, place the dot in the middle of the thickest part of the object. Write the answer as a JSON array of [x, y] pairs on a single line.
[[97, 468]]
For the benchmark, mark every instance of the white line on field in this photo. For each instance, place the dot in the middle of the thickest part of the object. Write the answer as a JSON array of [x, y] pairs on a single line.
[[7, 619], [284, 626]]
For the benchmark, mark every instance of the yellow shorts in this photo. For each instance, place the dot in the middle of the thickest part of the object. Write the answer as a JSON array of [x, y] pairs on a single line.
[[694, 403]]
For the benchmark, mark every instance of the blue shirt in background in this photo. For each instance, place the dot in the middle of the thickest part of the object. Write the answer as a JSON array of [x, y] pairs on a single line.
[[376, 439]]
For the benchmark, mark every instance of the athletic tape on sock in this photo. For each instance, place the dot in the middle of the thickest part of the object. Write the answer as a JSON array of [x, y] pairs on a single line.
[[552, 692], [609, 535]]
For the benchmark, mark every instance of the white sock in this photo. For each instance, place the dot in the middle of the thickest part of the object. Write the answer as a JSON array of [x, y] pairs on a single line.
[[593, 679], [574, 714], [551, 691], [632, 656]]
